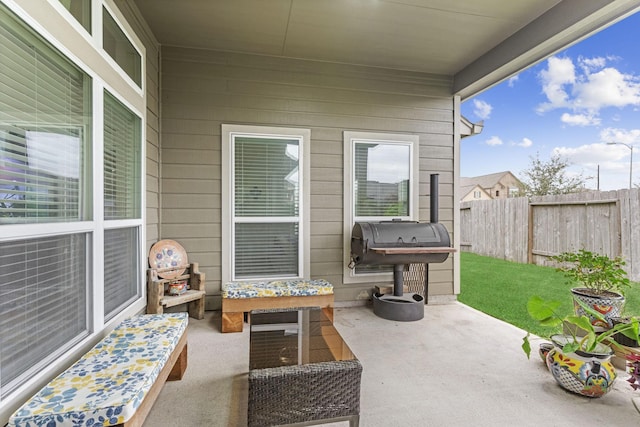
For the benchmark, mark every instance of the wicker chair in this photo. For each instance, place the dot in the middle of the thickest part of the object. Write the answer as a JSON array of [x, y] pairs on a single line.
[[304, 394]]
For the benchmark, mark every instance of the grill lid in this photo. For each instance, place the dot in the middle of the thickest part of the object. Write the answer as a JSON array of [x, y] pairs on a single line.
[[405, 233], [399, 242]]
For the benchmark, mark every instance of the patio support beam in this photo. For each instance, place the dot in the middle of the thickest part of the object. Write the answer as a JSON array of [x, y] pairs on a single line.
[[566, 23]]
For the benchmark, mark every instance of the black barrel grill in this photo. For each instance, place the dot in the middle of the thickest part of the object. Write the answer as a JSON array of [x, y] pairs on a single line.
[[399, 243]]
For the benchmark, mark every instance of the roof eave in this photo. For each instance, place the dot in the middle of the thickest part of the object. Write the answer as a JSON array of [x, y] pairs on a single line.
[[563, 25]]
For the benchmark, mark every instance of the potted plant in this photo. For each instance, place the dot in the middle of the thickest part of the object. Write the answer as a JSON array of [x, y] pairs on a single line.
[[580, 360], [633, 369], [622, 339], [600, 283]]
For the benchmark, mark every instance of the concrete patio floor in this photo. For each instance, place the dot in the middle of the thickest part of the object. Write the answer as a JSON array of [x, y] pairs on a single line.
[[455, 367]]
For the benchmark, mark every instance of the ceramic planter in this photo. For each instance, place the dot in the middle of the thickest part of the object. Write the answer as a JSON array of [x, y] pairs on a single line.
[[620, 338], [609, 305], [587, 374]]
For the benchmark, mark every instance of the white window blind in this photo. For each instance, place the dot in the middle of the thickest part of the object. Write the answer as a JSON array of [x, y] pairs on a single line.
[[45, 117], [122, 201], [43, 303], [122, 161], [266, 185], [44, 129], [121, 269]]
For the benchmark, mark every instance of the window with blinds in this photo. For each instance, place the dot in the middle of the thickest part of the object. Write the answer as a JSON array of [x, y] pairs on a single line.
[[121, 268], [45, 177], [48, 227], [266, 200], [43, 303], [45, 129], [122, 161], [122, 201]]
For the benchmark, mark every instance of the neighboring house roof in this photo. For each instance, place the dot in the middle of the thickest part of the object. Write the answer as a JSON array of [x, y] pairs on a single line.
[[469, 189], [486, 181], [477, 43]]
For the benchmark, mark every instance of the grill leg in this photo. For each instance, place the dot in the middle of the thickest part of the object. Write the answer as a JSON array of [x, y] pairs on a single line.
[[398, 282], [426, 283]]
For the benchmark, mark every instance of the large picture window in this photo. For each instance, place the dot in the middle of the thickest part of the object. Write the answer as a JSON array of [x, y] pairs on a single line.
[[266, 202], [45, 130], [381, 176], [70, 202]]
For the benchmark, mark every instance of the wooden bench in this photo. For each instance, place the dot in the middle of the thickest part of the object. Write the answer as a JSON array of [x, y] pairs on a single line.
[[117, 381], [239, 298]]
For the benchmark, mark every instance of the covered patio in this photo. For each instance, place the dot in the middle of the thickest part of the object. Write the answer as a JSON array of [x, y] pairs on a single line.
[[456, 367], [152, 98]]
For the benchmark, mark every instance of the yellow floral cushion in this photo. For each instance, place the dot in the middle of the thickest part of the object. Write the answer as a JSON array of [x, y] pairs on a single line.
[[106, 386], [276, 288]]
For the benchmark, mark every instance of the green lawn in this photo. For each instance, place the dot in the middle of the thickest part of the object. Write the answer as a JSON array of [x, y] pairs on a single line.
[[501, 289]]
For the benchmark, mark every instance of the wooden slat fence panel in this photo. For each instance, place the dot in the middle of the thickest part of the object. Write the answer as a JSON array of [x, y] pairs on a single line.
[[496, 228], [520, 230]]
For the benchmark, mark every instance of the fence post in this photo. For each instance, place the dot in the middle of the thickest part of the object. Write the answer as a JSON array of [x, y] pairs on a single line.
[[530, 233]]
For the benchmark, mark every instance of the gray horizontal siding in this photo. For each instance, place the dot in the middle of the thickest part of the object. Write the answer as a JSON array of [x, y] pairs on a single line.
[[201, 90]]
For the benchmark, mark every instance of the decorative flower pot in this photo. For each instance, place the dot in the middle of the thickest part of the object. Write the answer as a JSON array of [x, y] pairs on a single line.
[[621, 338], [609, 305], [178, 288], [587, 374]]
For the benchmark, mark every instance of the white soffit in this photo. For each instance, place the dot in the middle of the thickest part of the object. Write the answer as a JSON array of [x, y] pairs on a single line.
[[479, 42]]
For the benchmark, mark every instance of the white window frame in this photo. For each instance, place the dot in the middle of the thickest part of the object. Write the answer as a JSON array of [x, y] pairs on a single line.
[[228, 134], [350, 138]]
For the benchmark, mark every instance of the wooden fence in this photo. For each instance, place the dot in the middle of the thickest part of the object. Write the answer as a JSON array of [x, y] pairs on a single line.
[[529, 231]]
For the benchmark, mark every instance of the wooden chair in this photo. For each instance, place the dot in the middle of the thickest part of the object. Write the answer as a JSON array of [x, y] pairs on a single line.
[[160, 279]]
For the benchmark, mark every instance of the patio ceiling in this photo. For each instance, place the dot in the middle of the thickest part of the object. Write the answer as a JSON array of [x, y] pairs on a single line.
[[476, 42]]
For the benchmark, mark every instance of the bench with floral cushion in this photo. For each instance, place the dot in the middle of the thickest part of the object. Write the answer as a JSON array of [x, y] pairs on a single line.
[[117, 381], [239, 298]]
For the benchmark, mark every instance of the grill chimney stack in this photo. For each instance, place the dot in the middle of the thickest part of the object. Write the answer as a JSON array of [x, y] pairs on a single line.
[[433, 197]]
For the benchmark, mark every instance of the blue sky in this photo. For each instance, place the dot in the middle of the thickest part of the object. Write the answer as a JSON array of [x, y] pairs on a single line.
[[571, 104]]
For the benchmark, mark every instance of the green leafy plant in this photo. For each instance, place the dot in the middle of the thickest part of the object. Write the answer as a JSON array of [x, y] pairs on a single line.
[[593, 271], [545, 312]]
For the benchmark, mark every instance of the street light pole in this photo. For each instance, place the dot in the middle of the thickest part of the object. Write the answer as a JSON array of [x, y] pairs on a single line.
[[630, 147]]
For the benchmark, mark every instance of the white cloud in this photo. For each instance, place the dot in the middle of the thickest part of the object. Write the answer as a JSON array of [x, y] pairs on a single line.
[[587, 155], [627, 136], [592, 63], [525, 143], [482, 109], [585, 89], [559, 73], [493, 141], [513, 80], [607, 88], [580, 119], [607, 160]]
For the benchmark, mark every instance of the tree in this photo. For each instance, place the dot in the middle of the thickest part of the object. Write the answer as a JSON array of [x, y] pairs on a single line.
[[551, 177]]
